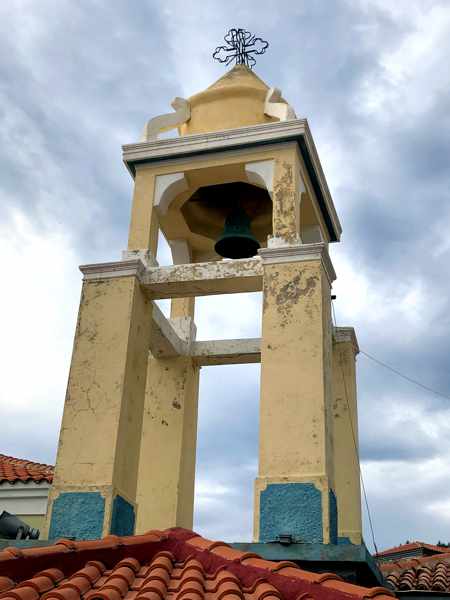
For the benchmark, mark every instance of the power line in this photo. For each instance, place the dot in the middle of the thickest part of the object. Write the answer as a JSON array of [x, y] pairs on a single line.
[[366, 500], [410, 379]]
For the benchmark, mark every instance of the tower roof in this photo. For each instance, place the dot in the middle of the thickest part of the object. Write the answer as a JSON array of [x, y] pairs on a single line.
[[235, 100], [239, 75]]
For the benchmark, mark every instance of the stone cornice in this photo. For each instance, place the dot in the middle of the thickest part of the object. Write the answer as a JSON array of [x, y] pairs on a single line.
[[299, 253], [109, 270], [296, 130], [345, 335], [165, 149]]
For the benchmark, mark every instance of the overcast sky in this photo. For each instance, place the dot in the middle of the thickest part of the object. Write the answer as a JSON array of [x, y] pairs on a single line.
[[78, 79]]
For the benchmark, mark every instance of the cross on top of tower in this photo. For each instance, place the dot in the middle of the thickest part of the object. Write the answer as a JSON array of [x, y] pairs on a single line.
[[241, 48]]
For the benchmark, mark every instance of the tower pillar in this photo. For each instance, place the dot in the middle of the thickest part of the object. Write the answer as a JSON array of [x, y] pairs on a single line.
[[345, 433], [165, 492], [94, 488], [294, 492]]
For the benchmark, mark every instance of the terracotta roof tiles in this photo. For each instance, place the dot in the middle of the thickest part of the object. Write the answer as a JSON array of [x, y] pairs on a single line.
[[426, 573], [411, 546], [173, 565], [16, 469]]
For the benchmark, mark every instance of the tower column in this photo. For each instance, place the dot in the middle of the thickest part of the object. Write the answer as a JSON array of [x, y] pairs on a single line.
[[345, 432], [294, 492], [169, 434], [94, 487]]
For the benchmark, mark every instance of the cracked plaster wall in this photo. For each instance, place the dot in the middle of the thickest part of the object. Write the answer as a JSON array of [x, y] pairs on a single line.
[[102, 421]]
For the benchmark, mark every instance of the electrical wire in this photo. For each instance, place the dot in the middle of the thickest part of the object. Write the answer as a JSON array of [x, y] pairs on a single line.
[[366, 500], [403, 376], [410, 379]]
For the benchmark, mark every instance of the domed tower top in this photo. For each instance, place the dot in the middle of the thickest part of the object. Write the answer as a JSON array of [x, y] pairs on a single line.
[[237, 99]]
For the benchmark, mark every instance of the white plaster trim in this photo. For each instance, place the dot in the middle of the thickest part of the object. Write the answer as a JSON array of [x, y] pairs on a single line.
[[275, 106], [164, 149], [109, 270], [168, 121], [181, 253], [167, 187], [346, 334], [214, 140], [260, 173], [299, 253], [144, 255]]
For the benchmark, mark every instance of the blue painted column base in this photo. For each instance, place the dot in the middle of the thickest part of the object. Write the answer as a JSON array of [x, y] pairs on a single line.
[[123, 517], [81, 515], [77, 514], [296, 509]]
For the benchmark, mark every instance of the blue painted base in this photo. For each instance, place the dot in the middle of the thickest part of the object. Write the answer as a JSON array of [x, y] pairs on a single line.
[[123, 517], [77, 514], [295, 509], [333, 518], [344, 541]]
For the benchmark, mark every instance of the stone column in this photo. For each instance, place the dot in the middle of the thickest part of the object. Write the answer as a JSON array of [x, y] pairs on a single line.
[[94, 488], [169, 434], [345, 431], [294, 491]]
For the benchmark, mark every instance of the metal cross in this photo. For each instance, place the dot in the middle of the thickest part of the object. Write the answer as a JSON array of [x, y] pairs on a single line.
[[241, 48]]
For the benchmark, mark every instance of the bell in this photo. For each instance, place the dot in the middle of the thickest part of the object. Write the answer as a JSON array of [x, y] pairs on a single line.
[[237, 240]]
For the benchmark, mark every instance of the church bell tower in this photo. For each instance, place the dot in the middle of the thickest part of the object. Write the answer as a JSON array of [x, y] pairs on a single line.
[[242, 200]]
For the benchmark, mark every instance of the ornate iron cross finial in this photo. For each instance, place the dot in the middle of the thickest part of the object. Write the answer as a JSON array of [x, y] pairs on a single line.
[[241, 47]]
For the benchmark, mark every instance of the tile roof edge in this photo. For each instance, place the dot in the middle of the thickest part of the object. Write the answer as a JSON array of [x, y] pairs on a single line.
[[34, 471], [411, 546], [22, 563], [403, 564], [328, 581], [285, 580]]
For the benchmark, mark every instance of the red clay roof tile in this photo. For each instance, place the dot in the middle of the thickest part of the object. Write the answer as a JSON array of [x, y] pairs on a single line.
[[17, 469], [410, 546], [173, 565], [426, 573]]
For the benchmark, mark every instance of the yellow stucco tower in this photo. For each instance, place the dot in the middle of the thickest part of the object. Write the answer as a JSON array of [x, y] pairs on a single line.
[[126, 457]]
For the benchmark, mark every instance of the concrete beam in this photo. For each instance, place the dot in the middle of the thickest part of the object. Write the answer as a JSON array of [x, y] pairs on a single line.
[[203, 279], [227, 352], [171, 338], [164, 340]]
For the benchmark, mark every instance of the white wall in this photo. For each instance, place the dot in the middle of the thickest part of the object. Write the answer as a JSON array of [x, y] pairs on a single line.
[[24, 498]]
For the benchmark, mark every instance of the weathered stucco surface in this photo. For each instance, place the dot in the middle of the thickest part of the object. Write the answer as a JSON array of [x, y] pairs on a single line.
[[295, 381], [345, 433], [167, 458], [102, 421]]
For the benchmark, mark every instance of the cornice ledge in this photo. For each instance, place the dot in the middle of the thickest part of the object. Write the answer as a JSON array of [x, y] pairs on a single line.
[[214, 140], [300, 253], [346, 334], [110, 270]]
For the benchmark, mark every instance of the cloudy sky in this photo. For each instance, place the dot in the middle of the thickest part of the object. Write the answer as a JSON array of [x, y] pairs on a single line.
[[80, 78]]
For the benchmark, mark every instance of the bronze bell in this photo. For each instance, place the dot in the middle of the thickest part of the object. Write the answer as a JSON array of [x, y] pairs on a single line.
[[237, 240]]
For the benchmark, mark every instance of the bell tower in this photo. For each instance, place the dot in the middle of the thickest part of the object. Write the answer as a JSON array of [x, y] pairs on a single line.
[[242, 200]]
